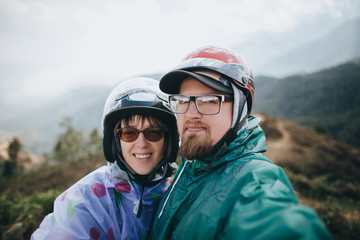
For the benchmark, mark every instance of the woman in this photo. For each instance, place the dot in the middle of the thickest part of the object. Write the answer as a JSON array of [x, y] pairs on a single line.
[[118, 201]]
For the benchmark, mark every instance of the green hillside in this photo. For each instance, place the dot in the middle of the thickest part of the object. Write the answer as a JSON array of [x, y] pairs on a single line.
[[328, 100], [323, 172]]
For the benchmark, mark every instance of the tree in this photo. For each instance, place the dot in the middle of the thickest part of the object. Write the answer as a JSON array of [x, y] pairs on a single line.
[[13, 151], [69, 145], [94, 143]]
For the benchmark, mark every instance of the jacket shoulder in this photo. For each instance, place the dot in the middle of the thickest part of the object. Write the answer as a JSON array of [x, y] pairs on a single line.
[[266, 207]]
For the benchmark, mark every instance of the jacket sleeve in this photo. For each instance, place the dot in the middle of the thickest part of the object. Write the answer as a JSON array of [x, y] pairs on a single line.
[[267, 208], [77, 214]]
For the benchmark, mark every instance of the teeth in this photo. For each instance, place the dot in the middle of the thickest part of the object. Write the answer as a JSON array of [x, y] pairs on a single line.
[[142, 155]]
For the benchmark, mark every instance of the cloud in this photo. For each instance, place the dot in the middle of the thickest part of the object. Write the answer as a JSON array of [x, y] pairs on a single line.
[[50, 46]]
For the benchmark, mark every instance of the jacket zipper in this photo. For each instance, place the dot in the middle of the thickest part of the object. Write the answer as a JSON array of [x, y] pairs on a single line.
[[172, 188], [140, 207]]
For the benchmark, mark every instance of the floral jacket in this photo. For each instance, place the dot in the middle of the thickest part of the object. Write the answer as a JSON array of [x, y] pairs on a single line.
[[103, 205]]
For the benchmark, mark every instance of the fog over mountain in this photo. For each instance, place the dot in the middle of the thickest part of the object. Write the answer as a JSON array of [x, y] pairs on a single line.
[[36, 122], [299, 52], [38, 125]]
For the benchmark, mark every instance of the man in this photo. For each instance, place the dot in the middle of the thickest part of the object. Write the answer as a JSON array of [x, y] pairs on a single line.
[[225, 188]]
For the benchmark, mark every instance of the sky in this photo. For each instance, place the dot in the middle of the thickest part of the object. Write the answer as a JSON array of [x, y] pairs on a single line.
[[49, 46]]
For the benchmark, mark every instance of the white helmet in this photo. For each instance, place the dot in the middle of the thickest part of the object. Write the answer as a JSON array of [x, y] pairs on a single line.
[[142, 96]]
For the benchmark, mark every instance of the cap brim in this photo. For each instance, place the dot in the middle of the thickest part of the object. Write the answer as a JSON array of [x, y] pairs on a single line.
[[170, 83]]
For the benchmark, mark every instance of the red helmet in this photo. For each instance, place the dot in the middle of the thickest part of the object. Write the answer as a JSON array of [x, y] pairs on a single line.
[[222, 70], [230, 65]]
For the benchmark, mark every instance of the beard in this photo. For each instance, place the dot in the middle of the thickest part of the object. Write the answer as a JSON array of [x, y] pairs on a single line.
[[194, 147]]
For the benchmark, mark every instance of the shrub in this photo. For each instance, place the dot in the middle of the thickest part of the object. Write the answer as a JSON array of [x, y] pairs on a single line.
[[29, 211], [337, 224]]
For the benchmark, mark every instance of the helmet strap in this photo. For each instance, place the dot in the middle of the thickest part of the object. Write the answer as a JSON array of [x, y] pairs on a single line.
[[224, 142], [237, 122]]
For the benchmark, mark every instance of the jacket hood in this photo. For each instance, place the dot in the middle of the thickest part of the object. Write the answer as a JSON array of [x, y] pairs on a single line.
[[250, 140]]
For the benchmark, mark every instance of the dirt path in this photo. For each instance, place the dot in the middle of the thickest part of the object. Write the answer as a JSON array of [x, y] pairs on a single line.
[[279, 149], [285, 141]]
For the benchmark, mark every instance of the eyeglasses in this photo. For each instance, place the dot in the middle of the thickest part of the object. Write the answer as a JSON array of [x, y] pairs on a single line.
[[129, 134], [205, 104]]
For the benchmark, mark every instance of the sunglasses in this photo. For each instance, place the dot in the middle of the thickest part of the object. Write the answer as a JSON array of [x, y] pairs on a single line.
[[129, 134]]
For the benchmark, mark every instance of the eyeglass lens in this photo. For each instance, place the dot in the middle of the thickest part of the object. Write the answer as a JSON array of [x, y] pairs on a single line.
[[205, 104], [129, 134]]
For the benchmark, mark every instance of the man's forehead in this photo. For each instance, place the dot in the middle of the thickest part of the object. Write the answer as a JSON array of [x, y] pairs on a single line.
[[192, 86]]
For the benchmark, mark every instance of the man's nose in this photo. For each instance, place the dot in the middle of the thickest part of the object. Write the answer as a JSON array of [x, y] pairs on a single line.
[[192, 112]]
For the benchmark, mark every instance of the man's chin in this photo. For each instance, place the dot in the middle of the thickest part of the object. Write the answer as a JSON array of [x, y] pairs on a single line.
[[195, 146]]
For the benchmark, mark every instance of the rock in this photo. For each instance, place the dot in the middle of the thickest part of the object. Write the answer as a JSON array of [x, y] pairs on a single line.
[[15, 232]]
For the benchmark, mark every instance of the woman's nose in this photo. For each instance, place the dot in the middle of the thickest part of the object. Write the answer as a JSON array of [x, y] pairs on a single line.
[[141, 140]]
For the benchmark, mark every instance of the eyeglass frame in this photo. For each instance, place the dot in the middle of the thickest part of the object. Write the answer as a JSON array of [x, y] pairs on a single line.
[[192, 98]]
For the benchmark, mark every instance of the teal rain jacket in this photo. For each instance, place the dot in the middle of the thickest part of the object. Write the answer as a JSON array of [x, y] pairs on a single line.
[[242, 196]]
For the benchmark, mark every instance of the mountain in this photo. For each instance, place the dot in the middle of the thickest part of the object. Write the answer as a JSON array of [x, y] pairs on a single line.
[[340, 45], [328, 99], [38, 126], [280, 55]]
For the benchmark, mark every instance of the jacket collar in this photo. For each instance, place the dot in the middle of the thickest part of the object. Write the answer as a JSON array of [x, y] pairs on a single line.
[[250, 139]]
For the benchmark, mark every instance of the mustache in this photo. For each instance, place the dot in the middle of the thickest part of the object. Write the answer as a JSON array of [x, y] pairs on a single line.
[[196, 122]]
